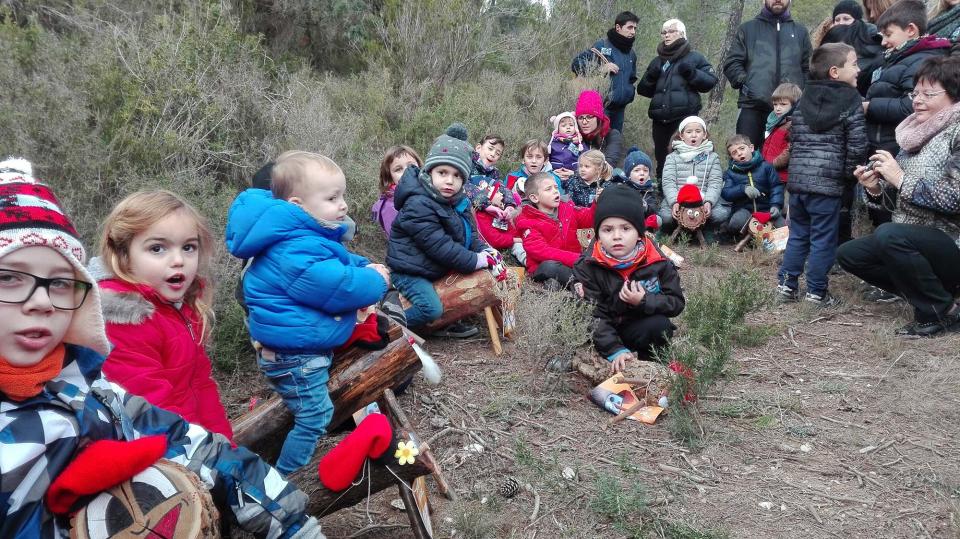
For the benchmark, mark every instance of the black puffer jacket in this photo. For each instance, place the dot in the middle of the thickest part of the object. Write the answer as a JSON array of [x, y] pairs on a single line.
[[827, 139], [674, 90], [864, 39], [431, 236], [767, 52], [889, 102], [601, 285]]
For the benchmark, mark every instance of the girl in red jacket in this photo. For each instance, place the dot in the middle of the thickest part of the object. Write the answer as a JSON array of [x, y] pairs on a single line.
[[155, 253], [549, 230]]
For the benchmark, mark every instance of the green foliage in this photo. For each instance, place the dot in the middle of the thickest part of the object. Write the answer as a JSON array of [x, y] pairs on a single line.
[[626, 506]]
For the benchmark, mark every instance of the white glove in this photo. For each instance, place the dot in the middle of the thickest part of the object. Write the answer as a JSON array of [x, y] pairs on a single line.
[[751, 192], [310, 530], [774, 212]]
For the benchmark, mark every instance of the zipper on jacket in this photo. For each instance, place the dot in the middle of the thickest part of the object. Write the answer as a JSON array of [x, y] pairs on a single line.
[[777, 82], [187, 323]]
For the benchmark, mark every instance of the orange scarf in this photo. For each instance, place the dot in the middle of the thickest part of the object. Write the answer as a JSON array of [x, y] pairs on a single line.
[[21, 383], [647, 254]]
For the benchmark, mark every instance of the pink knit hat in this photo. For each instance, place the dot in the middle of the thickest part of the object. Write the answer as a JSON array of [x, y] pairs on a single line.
[[591, 102]]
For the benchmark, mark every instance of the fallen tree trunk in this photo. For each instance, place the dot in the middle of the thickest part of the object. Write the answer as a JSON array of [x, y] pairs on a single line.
[[462, 296], [356, 380]]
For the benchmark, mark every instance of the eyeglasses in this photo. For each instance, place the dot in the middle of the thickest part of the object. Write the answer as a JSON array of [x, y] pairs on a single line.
[[924, 96], [671, 31], [65, 294], [586, 117]]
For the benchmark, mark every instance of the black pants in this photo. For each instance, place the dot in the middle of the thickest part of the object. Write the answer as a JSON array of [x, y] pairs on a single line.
[[845, 233], [751, 122], [555, 271], [917, 262], [662, 133], [642, 334]]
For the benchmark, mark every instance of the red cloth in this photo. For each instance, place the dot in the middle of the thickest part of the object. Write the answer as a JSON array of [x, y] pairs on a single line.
[[340, 466], [651, 222], [365, 332], [163, 360], [777, 142], [545, 238], [498, 239], [689, 195], [762, 216], [103, 465]]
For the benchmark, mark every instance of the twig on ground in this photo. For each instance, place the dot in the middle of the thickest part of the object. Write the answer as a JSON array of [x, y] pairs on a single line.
[[844, 423], [891, 463], [821, 494], [816, 515], [861, 476], [536, 502], [440, 434], [872, 448], [854, 324], [892, 365], [790, 333], [684, 473]]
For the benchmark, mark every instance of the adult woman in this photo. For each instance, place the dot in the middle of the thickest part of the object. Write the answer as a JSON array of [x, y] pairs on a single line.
[[847, 26], [595, 128], [916, 255], [674, 81], [875, 8], [944, 20]]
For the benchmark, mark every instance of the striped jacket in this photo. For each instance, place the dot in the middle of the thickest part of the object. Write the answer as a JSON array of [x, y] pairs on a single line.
[[41, 435]]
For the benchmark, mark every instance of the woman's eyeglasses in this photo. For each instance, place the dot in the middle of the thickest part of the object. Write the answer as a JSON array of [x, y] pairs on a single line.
[[924, 96], [670, 31], [585, 117], [65, 294]]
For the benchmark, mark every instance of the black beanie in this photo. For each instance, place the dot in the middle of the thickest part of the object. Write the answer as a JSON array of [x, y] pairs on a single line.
[[850, 8], [261, 180], [621, 201]]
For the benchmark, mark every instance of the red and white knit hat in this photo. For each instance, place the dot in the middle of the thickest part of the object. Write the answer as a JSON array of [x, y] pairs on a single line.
[[689, 195], [31, 215]]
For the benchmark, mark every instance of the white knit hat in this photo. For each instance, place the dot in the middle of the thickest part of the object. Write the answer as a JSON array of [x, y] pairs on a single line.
[[31, 215], [689, 120]]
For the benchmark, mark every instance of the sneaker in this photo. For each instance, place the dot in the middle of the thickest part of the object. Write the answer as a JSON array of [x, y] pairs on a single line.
[[947, 324], [391, 306], [785, 294], [457, 330], [880, 295], [825, 300]]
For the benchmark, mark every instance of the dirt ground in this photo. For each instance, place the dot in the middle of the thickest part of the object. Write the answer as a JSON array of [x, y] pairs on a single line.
[[830, 427]]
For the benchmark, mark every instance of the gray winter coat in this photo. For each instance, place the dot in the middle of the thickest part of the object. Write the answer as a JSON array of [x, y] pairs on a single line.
[[828, 138], [708, 171]]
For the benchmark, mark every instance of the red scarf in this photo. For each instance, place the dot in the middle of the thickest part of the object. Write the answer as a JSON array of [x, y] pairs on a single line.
[[647, 254], [21, 383]]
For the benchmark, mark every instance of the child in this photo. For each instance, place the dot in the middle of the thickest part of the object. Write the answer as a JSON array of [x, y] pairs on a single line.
[[498, 233], [635, 287], [154, 260], [486, 155], [566, 145], [636, 169], [693, 156], [394, 162], [435, 232], [592, 172], [776, 145], [750, 185], [56, 402], [303, 288], [828, 142], [549, 230], [533, 156]]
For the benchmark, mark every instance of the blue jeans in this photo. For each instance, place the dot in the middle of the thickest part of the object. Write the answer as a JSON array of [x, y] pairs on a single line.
[[301, 380], [814, 223], [616, 115], [425, 306]]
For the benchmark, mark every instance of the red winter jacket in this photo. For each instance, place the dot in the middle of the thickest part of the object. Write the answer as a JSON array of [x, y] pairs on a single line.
[[158, 354], [498, 239], [776, 149], [546, 238]]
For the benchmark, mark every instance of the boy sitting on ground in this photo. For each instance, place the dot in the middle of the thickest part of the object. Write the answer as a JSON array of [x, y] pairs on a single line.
[[635, 287], [549, 230], [750, 185], [435, 232], [303, 288]]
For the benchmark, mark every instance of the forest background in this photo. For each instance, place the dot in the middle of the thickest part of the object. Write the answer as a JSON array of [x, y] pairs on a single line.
[[108, 97]]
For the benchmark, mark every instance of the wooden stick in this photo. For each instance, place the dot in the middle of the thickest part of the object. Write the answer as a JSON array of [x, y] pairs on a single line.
[[417, 526], [391, 404], [494, 331], [628, 412]]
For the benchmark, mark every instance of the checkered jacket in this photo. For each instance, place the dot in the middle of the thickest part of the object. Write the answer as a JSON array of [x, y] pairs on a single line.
[[41, 435]]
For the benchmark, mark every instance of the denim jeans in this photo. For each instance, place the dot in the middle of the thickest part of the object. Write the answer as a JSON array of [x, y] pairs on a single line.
[[425, 306], [301, 381], [814, 223]]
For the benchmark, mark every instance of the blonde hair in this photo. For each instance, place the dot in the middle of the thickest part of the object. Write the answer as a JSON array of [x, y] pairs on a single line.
[[597, 158], [942, 7], [289, 175], [138, 212]]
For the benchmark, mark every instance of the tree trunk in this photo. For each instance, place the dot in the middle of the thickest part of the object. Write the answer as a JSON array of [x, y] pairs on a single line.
[[357, 378], [712, 112], [462, 296]]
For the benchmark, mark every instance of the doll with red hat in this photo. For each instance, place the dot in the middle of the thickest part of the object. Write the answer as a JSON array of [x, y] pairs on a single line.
[[690, 212]]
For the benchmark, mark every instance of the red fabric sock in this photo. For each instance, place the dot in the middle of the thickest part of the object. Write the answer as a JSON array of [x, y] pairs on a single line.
[[363, 332], [101, 466], [340, 466]]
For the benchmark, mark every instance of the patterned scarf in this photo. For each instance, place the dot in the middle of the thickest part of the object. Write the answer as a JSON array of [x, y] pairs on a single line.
[[943, 21], [21, 383], [913, 135], [689, 153], [643, 254]]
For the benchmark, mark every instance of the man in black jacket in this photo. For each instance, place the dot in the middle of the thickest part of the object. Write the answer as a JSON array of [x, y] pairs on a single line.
[[769, 50]]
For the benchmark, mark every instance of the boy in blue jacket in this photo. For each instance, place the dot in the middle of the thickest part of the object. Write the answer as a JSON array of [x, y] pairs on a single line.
[[435, 232], [303, 288], [750, 185]]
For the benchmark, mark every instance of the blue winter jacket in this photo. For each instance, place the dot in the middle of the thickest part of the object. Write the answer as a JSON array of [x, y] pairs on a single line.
[[621, 91], [303, 287], [431, 235], [765, 179]]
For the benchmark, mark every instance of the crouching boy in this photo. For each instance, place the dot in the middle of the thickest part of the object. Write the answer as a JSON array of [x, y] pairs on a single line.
[[636, 288]]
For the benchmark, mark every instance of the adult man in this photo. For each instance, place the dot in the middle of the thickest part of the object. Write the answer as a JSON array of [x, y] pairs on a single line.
[[619, 61], [769, 50]]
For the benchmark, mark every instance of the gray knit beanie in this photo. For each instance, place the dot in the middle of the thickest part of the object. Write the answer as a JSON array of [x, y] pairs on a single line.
[[451, 148]]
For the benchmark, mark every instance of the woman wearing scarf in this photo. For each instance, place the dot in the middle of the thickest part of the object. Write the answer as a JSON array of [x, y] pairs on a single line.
[[674, 81], [916, 256], [944, 20], [595, 128]]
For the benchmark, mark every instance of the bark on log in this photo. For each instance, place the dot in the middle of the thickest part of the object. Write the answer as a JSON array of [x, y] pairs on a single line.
[[462, 296], [356, 379]]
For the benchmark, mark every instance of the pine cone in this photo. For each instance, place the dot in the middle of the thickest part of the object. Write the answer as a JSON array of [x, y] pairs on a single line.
[[509, 487]]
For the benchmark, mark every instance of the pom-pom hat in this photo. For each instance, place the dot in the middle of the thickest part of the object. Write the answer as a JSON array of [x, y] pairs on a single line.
[[31, 215], [689, 195], [451, 148], [634, 158]]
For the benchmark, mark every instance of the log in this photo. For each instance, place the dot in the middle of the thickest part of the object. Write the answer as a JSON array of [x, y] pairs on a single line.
[[462, 296], [356, 380]]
